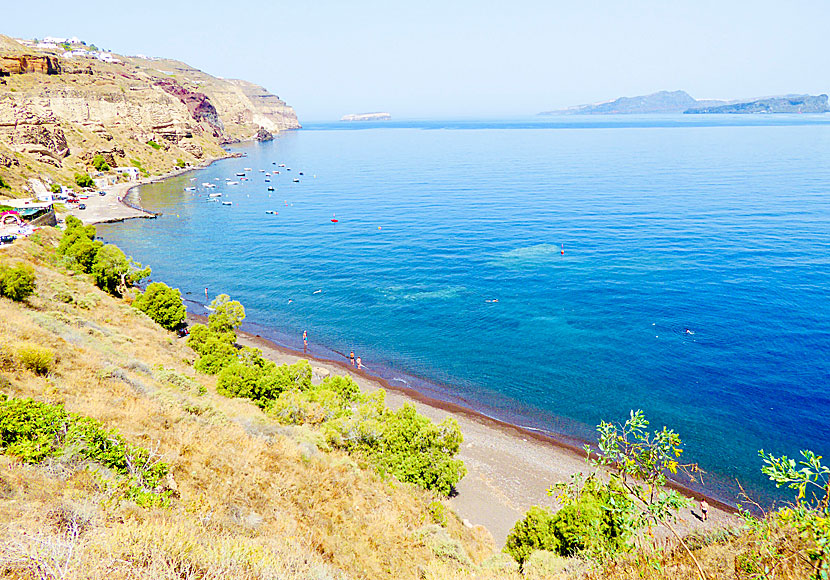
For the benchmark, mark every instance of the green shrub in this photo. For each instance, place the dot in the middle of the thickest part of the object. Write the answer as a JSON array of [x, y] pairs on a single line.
[[227, 314], [180, 163], [17, 282], [113, 271], [36, 358], [163, 304], [238, 380], [153, 144], [83, 180], [533, 532], [3, 184], [55, 187], [437, 513], [99, 163], [33, 431]]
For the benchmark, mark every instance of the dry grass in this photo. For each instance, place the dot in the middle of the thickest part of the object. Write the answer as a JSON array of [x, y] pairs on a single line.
[[252, 498]]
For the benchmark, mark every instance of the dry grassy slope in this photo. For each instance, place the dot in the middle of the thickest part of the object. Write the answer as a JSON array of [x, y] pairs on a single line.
[[101, 107], [254, 499]]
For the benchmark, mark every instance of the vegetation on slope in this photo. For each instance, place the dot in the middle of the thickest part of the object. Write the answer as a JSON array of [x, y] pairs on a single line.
[[122, 460]]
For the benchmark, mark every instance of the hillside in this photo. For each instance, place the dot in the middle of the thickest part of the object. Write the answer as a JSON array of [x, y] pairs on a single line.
[[787, 104], [58, 111], [173, 478]]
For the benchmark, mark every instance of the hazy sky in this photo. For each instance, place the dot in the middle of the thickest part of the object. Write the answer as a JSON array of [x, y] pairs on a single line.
[[462, 58]]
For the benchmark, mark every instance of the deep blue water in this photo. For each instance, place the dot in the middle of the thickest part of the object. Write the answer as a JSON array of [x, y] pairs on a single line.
[[718, 224]]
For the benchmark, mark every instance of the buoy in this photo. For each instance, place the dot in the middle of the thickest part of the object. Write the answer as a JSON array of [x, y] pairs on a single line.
[[378, 227], [563, 249], [334, 218]]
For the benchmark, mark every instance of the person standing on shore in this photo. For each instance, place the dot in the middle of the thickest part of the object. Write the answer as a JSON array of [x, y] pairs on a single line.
[[351, 357], [704, 509], [359, 363], [305, 341]]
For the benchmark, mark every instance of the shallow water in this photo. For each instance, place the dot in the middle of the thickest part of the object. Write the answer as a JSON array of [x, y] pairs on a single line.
[[718, 224]]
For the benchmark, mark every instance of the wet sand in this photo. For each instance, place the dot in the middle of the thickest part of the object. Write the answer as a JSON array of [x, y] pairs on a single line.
[[509, 469]]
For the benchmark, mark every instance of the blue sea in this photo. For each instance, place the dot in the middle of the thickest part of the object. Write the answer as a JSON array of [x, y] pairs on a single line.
[[694, 283]]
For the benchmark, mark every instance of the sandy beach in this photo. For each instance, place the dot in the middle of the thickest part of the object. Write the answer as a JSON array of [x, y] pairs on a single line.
[[509, 469]]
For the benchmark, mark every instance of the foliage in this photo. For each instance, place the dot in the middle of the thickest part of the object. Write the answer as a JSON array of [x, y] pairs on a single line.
[[163, 304], [36, 358], [438, 513], [227, 314], [33, 431], [55, 187], [180, 163], [3, 184], [639, 462], [153, 144], [810, 515], [533, 532], [83, 180], [17, 282], [113, 272], [99, 163], [592, 523]]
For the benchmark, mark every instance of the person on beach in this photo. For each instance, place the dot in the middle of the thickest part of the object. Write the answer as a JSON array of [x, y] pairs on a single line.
[[351, 357], [359, 363], [305, 341], [704, 509]]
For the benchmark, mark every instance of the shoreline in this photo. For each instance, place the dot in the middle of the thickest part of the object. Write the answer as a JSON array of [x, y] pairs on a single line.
[[510, 468]]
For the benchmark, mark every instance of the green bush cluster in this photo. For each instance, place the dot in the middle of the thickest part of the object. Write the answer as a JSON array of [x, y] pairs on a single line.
[[403, 443], [592, 524], [163, 304], [55, 187], [36, 358], [99, 163], [153, 144], [3, 184], [83, 180], [17, 282], [180, 163], [110, 268], [34, 431]]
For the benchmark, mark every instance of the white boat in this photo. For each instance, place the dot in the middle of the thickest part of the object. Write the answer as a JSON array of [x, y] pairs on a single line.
[[296, 181], [248, 169], [226, 203], [241, 174], [217, 194], [262, 171], [190, 189], [233, 183]]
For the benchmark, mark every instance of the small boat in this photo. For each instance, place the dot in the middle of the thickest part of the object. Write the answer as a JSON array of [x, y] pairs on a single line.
[[241, 174], [215, 195], [270, 188], [296, 181], [267, 181], [301, 173], [288, 169], [262, 171], [190, 189], [248, 169], [272, 212], [282, 164], [233, 183], [226, 203], [211, 200], [276, 173]]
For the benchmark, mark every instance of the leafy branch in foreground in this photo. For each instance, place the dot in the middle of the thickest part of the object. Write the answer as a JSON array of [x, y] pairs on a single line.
[[639, 462], [810, 514]]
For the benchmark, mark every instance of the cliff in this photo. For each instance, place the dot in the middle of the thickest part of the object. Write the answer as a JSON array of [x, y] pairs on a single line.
[[786, 104], [58, 111]]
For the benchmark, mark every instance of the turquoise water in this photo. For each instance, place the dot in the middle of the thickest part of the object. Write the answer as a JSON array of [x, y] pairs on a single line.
[[719, 225]]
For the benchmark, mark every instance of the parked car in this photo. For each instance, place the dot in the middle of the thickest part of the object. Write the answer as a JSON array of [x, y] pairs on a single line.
[[102, 193], [7, 239], [82, 206]]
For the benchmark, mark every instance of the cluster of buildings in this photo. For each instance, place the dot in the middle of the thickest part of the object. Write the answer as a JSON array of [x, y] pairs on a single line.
[[78, 48]]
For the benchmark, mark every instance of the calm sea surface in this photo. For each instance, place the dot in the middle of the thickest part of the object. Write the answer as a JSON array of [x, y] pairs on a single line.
[[445, 268]]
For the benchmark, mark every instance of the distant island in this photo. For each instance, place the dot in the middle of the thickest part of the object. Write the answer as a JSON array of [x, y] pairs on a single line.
[[682, 102], [366, 117]]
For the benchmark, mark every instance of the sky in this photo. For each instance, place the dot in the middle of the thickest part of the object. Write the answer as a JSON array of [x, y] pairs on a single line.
[[462, 58]]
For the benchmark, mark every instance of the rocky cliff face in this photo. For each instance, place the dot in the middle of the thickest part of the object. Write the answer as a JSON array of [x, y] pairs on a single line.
[[59, 112]]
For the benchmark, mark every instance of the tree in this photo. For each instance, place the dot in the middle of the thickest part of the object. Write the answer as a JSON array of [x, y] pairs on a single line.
[[113, 272], [55, 187], [99, 163], [227, 314], [163, 304], [83, 180], [17, 283]]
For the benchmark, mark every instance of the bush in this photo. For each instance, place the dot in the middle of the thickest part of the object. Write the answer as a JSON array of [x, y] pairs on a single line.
[[99, 163], [153, 144], [533, 532], [37, 359], [113, 271], [33, 431], [163, 304], [180, 163], [227, 314], [55, 187], [83, 180], [17, 282], [3, 184]]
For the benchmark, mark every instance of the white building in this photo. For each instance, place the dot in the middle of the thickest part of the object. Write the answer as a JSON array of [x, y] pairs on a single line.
[[131, 172]]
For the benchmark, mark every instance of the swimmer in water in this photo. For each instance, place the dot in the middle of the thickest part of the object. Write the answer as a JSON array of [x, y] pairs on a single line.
[[689, 331], [290, 300]]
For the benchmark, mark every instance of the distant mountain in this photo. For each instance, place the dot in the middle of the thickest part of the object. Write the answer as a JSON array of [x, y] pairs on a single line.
[[786, 104], [661, 102], [682, 102]]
